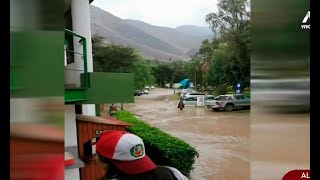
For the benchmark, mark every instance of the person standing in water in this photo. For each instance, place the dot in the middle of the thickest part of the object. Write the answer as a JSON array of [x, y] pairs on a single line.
[[112, 110], [181, 104]]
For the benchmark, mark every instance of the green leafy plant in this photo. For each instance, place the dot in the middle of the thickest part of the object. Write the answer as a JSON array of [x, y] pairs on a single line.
[[222, 89], [161, 147]]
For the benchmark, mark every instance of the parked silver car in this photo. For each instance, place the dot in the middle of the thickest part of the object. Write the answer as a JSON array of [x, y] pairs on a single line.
[[209, 100], [230, 102]]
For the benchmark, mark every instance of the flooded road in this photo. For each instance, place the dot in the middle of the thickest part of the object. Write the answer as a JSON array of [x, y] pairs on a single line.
[[222, 138], [239, 145]]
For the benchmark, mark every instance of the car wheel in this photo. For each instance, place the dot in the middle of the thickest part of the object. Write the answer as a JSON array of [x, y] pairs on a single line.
[[215, 110], [229, 107]]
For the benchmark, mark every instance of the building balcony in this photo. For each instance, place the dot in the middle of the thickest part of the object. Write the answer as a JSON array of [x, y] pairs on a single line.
[[36, 70], [83, 87], [102, 88]]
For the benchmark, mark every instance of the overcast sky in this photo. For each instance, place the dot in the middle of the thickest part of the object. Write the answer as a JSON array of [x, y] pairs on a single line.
[[169, 13]]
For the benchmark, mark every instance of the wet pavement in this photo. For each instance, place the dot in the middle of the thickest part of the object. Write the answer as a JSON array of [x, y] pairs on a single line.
[[238, 145], [222, 138]]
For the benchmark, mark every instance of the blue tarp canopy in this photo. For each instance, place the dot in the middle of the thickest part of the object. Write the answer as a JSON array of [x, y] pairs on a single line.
[[185, 83]]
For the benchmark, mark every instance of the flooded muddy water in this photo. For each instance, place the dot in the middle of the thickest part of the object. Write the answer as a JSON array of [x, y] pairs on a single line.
[[222, 138], [238, 145]]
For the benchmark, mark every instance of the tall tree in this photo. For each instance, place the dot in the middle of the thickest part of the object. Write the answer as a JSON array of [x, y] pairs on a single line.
[[194, 70], [231, 15], [232, 24], [142, 74], [163, 73], [116, 58]]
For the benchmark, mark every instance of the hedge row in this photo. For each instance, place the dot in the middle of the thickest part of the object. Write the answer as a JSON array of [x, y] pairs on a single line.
[[161, 147]]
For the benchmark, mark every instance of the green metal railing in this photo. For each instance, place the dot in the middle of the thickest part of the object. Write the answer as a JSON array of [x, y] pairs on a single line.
[[85, 82]]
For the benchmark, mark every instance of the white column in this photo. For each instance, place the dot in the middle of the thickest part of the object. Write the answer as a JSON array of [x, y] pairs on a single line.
[[89, 109], [80, 10]]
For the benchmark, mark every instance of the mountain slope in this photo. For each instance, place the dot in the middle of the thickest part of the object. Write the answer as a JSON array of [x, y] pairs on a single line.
[[169, 35], [197, 31], [154, 42]]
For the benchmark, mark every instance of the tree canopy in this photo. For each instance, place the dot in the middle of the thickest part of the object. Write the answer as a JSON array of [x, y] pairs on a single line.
[[120, 59], [221, 61]]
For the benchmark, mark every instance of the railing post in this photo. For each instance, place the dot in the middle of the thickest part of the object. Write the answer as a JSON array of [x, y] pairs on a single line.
[[85, 65], [84, 49]]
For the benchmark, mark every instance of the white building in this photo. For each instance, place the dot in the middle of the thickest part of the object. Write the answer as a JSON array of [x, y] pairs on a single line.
[[94, 88], [40, 85]]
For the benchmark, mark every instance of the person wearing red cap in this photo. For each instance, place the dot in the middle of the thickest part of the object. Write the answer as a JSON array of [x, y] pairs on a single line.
[[123, 156]]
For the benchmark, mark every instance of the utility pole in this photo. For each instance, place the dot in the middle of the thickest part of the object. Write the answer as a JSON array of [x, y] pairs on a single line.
[[195, 78]]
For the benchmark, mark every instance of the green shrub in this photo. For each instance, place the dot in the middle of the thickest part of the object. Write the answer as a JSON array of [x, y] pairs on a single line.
[[230, 89], [247, 94], [222, 89], [161, 147]]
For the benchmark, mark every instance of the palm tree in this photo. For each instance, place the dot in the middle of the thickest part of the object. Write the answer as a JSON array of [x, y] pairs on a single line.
[[97, 41]]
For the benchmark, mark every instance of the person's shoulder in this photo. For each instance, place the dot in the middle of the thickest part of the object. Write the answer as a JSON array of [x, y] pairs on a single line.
[[176, 173]]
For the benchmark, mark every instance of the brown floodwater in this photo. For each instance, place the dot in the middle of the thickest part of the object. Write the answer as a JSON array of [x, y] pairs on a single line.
[[232, 145], [222, 139]]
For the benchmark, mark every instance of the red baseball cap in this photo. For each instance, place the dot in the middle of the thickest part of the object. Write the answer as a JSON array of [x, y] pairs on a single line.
[[126, 151]]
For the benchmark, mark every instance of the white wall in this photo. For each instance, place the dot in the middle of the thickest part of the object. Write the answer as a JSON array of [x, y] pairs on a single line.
[[70, 127]]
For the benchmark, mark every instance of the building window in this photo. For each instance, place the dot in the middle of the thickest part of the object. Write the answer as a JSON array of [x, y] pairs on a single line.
[[69, 54], [68, 39]]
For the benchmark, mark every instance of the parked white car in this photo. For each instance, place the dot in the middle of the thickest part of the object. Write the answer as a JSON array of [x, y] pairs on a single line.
[[145, 91], [186, 91], [192, 101], [194, 94]]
